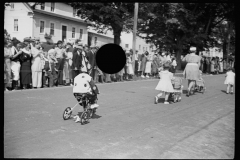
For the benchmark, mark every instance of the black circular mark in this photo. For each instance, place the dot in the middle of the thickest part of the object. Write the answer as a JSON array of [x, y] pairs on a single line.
[[85, 85], [110, 58], [82, 76]]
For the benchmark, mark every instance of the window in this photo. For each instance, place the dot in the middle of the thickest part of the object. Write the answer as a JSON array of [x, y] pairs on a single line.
[[81, 34], [73, 32], [15, 24], [143, 49], [51, 28], [126, 45], [52, 6], [41, 26], [12, 5], [42, 6], [95, 40], [139, 47]]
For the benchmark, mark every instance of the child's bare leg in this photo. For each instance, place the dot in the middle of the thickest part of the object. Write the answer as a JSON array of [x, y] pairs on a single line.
[[166, 98], [157, 97]]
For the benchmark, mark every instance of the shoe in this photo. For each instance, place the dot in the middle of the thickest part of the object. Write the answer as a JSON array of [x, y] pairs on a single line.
[[166, 102], [147, 76], [71, 84], [155, 99], [142, 76], [78, 119], [179, 99], [231, 92], [94, 105], [75, 116], [227, 92]]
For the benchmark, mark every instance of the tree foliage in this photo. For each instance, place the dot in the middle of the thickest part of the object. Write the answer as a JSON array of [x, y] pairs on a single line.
[[116, 16], [177, 26]]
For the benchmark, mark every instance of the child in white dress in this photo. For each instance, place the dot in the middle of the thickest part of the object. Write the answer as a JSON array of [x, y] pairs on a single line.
[[229, 81], [165, 84]]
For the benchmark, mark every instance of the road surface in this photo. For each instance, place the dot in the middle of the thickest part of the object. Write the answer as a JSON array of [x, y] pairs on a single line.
[[127, 124]]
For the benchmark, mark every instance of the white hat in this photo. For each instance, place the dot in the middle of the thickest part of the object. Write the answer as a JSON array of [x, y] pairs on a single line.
[[163, 54], [193, 49]]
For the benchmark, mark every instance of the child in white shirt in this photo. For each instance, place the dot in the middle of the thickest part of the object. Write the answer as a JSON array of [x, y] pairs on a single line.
[[229, 81]]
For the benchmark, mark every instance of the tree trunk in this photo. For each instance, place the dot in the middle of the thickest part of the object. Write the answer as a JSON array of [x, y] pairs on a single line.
[[178, 57], [224, 48], [117, 34]]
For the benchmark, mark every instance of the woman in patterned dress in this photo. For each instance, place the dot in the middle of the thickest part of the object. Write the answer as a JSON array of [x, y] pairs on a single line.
[[191, 71]]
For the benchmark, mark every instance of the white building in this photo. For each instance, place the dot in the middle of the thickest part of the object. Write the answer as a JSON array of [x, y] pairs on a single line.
[[60, 21], [213, 52], [55, 19]]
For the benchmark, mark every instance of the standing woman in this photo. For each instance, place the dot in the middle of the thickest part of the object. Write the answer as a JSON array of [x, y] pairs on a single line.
[[212, 65], [221, 65], [156, 65], [143, 63], [69, 60], [25, 70], [202, 64], [7, 63], [148, 64], [15, 65], [216, 65], [191, 71], [208, 63], [129, 66], [36, 65], [224, 65]]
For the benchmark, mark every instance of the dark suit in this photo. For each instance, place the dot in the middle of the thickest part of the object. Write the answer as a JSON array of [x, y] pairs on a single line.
[[92, 60], [77, 63]]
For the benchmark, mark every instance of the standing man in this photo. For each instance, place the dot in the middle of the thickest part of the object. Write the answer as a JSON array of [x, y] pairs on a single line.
[[136, 63], [92, 60], [59, 56], [76, 60]]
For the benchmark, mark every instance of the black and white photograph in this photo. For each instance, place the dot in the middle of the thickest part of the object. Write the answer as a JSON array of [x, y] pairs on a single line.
[[119, 80]]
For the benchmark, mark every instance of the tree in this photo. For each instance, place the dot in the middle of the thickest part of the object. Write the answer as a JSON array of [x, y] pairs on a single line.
[[115, 16], [178, 26]]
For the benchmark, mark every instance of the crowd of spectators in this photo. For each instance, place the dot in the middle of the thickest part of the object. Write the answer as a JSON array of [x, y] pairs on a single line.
[[32, 64]]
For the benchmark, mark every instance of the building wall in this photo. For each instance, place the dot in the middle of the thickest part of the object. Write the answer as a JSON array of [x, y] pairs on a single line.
[[141, 45], [58, 28], [25, 21], [213, 52], [60, 8], [101, 39]]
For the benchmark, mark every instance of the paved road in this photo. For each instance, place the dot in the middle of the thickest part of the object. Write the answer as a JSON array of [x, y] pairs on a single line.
[[127, 125]]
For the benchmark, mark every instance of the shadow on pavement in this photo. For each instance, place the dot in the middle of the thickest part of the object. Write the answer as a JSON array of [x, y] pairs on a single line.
[[184, 91], [95, 116], [223, 91]]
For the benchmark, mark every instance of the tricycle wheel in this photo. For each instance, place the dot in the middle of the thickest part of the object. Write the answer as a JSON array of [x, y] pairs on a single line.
[[67, 113], [84, 117]]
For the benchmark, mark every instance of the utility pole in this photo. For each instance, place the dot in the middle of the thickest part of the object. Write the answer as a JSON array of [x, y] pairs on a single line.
[[229, 37], [134, 35]]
